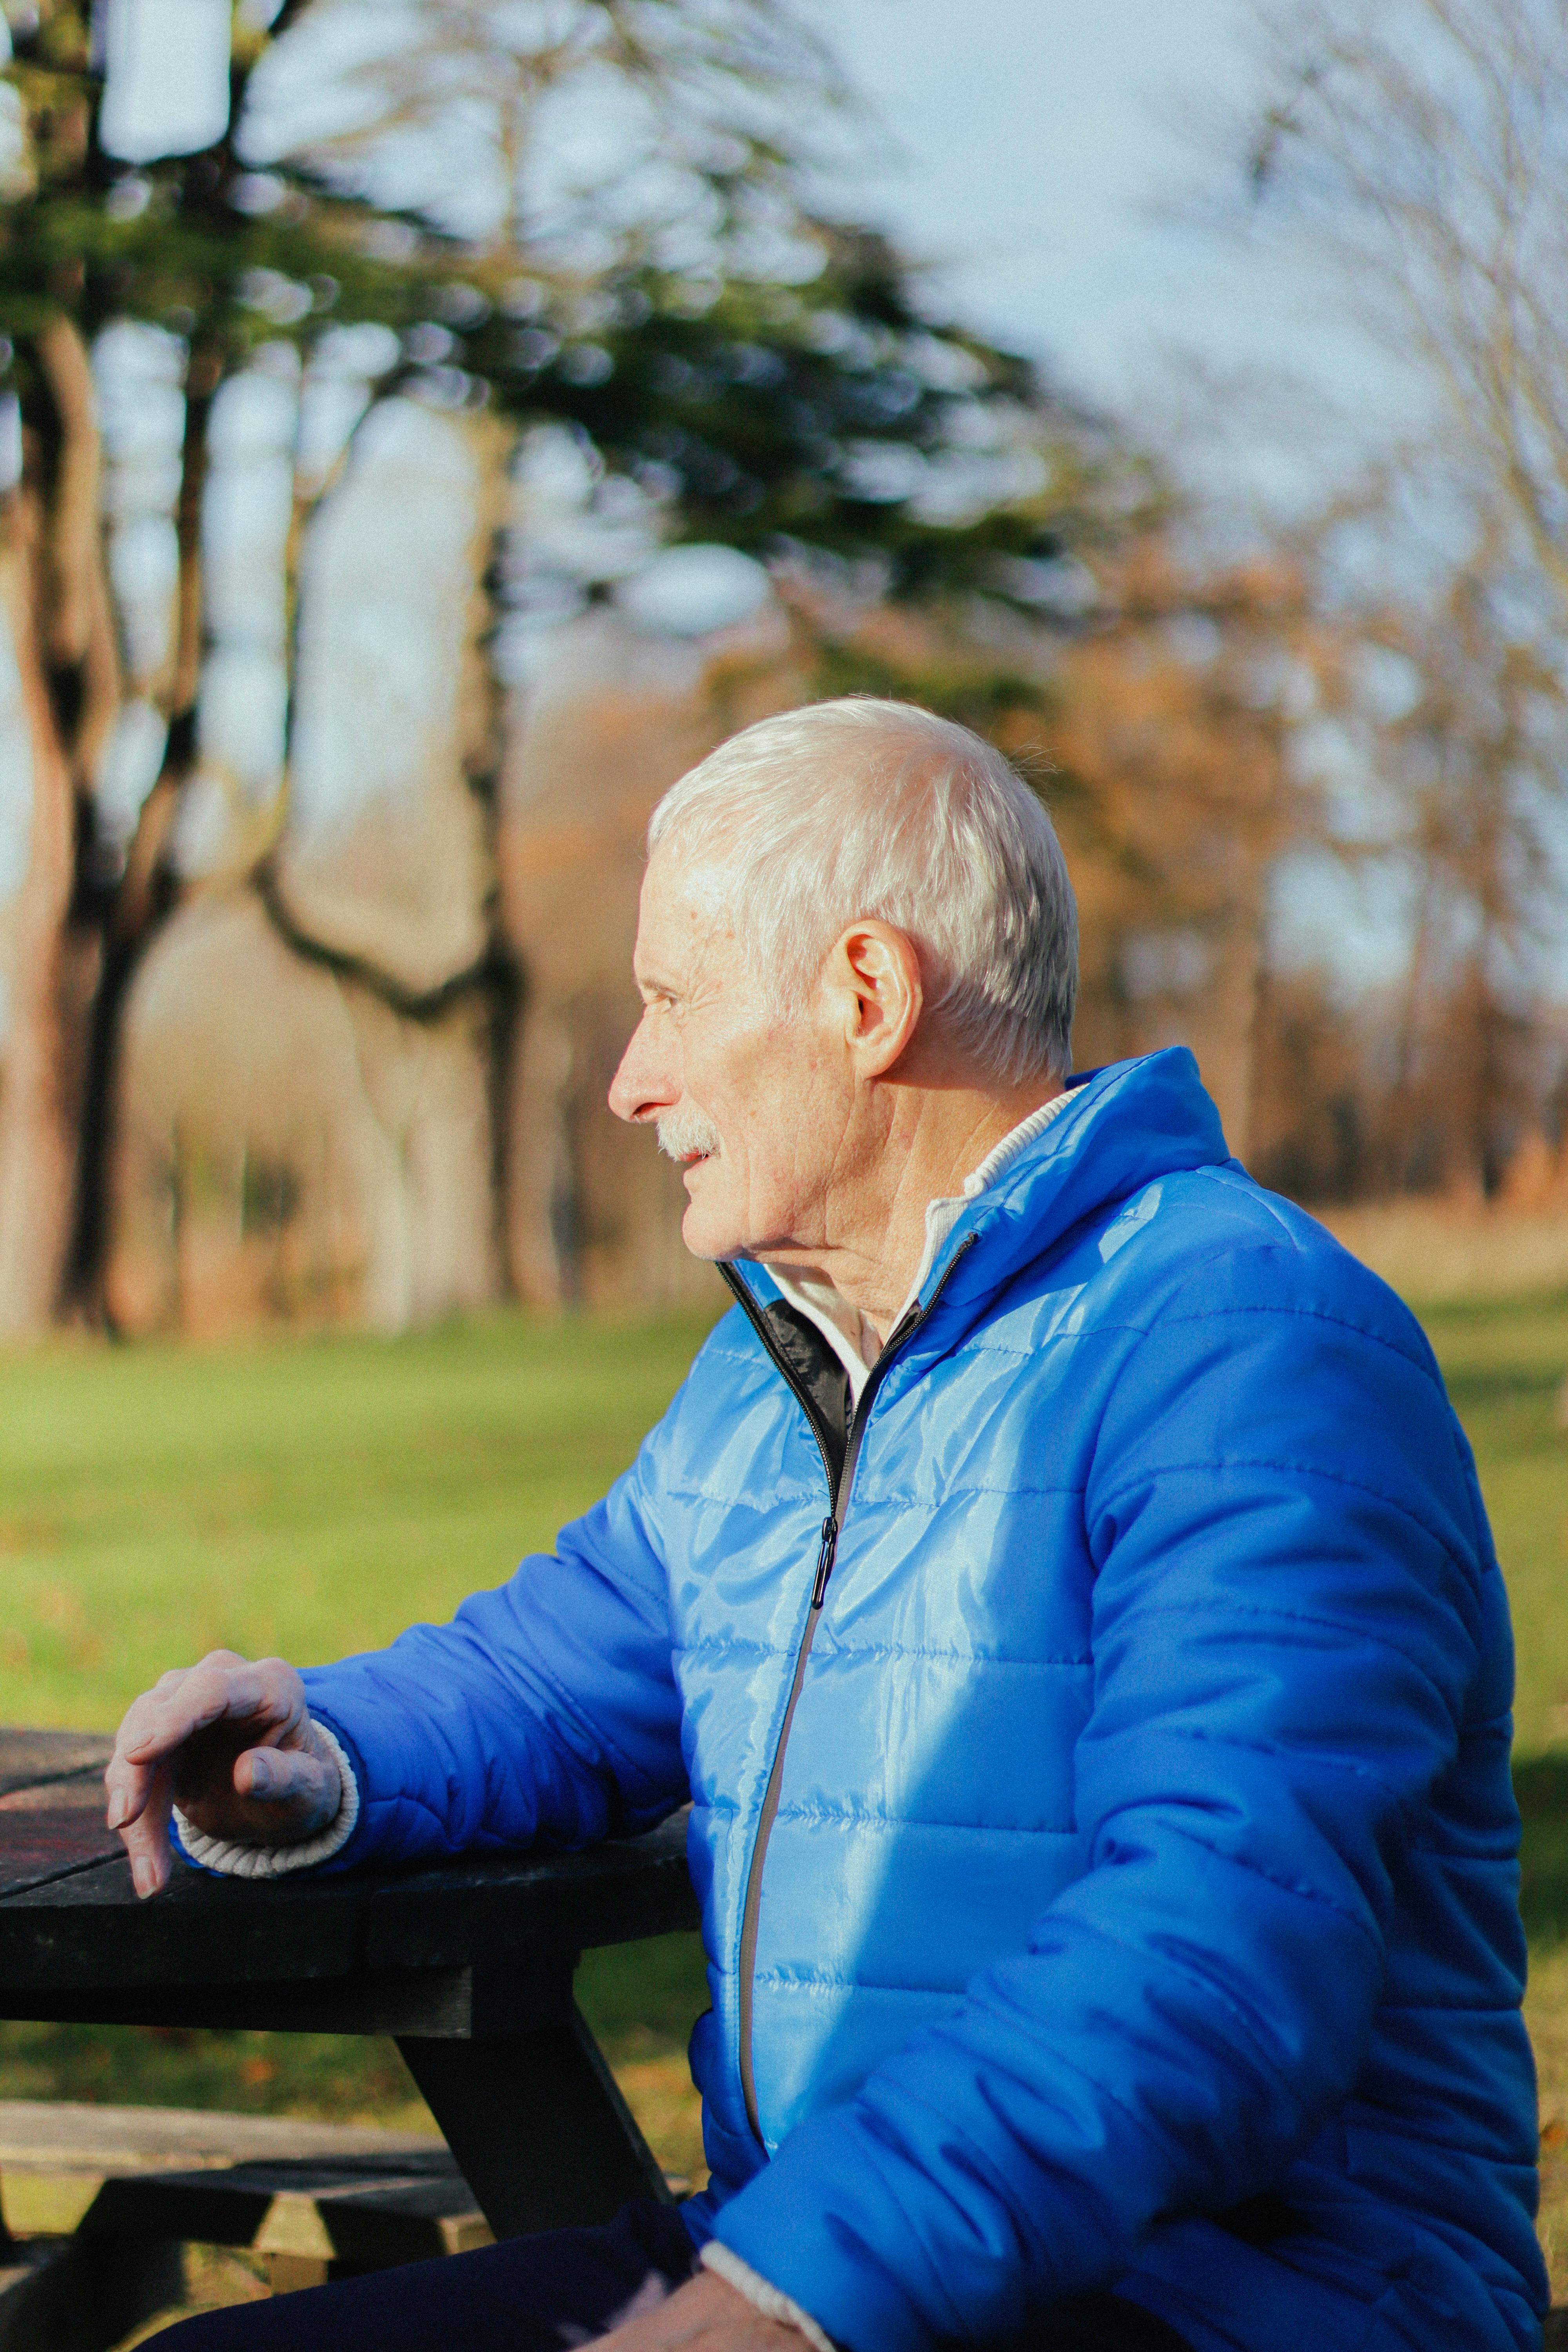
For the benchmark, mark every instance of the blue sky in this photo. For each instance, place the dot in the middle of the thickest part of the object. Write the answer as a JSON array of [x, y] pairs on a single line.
[[1036, 153], [1032, 141], [1031, 155]]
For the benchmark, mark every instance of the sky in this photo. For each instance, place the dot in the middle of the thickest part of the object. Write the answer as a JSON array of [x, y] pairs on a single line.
[[1035, 153], [1026, 142], [1043, 161], [1062, 168], [1049, 160]]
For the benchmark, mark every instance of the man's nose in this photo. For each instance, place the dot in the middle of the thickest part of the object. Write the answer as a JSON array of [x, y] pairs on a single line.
[[642, 1086]]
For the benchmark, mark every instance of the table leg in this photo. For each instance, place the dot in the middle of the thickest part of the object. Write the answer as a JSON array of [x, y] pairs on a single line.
[[69, 2294], [535, 2120]]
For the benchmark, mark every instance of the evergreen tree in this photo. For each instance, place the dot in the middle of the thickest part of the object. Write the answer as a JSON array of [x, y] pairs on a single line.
[[762, 378]]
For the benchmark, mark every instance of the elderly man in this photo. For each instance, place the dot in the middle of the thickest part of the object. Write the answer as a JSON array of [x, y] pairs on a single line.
[[1062, 1591]]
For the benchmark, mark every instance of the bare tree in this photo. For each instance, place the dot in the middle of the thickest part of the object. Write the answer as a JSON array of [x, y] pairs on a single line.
[[1423, 144], [685, 122], [722, 366], [1473, 750], [1419, 149]]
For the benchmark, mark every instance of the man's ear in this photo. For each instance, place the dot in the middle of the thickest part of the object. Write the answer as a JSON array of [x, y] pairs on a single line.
[[875, 973]]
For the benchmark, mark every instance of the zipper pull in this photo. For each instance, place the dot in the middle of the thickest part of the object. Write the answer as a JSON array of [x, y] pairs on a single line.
[[825, 1558]]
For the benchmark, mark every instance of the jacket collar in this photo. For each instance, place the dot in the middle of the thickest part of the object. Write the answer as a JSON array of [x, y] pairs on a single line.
[[1120, 1127], [843, 1327]]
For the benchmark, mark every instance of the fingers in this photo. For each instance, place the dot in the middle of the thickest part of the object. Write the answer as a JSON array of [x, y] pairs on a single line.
[[140, 1794], [268, 1694], [146, 1838], [275, 1792], [186, 1736], [706, 2315], [128, 1783], [294, 1778]]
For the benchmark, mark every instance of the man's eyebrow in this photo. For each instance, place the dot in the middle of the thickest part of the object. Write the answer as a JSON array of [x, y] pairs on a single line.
[[659, 985]]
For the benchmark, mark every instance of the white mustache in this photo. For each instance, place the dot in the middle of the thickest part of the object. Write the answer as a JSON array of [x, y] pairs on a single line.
[[687, 1134]]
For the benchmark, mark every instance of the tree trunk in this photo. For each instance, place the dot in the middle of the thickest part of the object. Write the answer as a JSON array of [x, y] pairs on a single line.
[[36, 1151]]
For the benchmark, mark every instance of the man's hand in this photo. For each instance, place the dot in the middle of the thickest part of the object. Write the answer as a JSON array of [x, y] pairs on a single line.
[[233, 1745], [704, 2316]]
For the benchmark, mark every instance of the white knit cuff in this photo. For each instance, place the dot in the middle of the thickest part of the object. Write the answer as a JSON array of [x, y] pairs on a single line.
[[769, 2300], [236, 1860]]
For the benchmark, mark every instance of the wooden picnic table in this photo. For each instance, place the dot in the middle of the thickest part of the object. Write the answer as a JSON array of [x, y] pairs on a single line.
[[467, 1965]]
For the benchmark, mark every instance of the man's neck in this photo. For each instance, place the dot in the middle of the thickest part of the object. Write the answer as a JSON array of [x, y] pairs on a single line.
[[936, 1137]]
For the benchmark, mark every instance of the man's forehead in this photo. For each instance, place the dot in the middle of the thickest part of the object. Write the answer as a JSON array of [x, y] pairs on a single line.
[[684, 912]]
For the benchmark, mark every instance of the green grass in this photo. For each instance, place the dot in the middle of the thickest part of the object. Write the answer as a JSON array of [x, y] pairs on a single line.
[[314, 1495], [1505, 1364], [307, 1497]]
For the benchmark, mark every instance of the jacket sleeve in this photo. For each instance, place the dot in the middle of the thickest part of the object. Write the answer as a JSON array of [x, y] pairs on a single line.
[[546, 1710], [1293, 1590]]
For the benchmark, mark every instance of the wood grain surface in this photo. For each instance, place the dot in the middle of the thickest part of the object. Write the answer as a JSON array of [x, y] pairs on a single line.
[[29, 1758], [474, 1934], [467, 1963]]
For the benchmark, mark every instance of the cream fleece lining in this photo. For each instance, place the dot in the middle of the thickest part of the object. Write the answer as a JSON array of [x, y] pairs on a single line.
[[237, 1860], [773, 2304]]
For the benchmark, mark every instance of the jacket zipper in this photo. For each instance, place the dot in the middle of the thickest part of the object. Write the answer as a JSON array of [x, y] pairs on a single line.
[[827, 1545]]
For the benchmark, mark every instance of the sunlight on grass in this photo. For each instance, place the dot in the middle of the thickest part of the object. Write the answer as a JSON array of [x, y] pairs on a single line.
[[309, 1497], [315, 1496], [1505, 1364]]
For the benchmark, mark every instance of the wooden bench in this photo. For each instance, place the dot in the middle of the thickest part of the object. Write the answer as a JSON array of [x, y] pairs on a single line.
[[466, 1963], [309, 2221], [313, 2201], [64, 2295], [469, 1964]]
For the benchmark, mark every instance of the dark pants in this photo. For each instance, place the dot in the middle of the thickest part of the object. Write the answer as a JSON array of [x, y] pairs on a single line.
[[542, 2293]]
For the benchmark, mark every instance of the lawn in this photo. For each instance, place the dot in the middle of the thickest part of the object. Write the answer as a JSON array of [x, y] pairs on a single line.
[[307, 1497], [1505, 1363], [314, 1495]]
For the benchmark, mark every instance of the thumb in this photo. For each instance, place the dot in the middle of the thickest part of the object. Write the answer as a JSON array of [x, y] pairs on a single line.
[[287, 1776], [283, 1794]]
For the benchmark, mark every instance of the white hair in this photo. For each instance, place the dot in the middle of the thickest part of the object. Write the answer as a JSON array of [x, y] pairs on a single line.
[[862, 808]]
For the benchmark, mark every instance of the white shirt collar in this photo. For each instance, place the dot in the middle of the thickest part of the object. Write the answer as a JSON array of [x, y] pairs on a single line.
[[851, 1338]]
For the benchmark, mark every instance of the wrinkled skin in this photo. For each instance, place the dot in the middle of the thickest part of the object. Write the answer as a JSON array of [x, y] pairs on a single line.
[[231, 1742], [704, 2316], [835, 1126]]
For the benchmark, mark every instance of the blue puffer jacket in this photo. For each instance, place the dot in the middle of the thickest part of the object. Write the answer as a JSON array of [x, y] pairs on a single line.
[[1139, 1893]]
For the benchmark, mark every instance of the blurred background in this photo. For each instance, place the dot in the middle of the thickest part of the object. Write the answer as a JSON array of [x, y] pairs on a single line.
[[427, 427]]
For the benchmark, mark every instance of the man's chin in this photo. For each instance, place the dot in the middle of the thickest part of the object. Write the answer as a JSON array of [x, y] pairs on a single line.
[[705, 1229], [699, 1242]]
